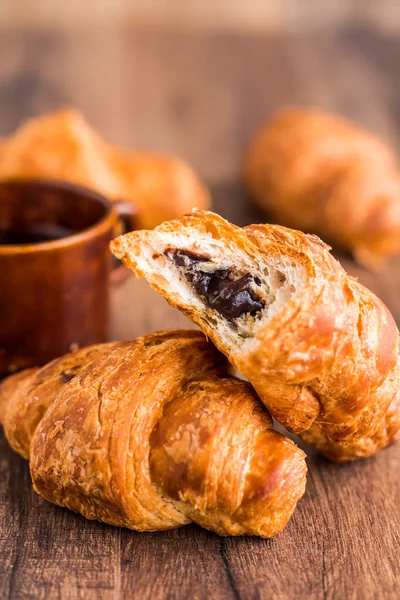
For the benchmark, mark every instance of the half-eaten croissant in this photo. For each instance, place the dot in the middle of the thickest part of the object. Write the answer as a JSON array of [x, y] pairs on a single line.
[[321, 350], [153, 434]]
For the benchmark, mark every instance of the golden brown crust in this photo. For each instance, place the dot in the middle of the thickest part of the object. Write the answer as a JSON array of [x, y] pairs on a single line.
[[327, 364], [161, 187], [340, 342], [153, 434], [319, 173], [61, 145], [217, 427], [26, 396], [8, 387]]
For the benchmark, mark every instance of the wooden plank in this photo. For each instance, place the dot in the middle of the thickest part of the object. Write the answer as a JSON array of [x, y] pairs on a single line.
[[201, 96], [46, 551], [185, 563]]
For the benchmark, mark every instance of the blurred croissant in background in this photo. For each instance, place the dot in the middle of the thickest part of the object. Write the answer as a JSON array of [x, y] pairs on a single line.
[[319, 173], [61, 145]]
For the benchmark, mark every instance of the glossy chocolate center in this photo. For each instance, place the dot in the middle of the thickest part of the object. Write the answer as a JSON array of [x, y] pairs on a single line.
[[224, 291]]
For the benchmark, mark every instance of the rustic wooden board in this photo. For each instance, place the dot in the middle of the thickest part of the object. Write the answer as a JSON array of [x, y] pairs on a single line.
[[201, 96]]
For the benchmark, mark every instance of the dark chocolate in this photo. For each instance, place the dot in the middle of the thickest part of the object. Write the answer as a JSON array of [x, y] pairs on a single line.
[[66, 376], [185, 258], [232, 299], [224, 291]]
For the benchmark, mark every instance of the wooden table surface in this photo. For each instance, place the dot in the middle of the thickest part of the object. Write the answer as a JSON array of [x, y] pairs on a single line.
[[200, 96]]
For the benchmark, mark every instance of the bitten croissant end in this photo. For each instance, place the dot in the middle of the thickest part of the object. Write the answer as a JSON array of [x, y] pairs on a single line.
[[321, 350], [153, 434]]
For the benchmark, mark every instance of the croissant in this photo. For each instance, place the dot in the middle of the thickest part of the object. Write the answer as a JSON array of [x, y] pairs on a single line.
[[319, 173], [153, 434], [61, 145], [320, 349]]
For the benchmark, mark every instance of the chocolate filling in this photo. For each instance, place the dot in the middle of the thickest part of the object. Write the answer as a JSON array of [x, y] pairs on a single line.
[[66, 376], [223, 290]]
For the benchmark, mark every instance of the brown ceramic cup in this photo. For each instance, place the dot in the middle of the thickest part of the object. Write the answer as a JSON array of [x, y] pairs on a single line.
[[55, 268]]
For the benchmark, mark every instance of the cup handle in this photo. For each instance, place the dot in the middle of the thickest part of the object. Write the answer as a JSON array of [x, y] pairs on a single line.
[[127, 221]]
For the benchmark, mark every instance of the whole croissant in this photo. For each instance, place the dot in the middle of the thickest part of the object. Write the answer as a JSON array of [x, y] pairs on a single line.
[[319, 173], [153, 434], [321, 350], [62, 145]]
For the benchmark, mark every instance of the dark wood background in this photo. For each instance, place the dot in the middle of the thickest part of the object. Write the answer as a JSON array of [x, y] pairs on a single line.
[[200, 95]]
